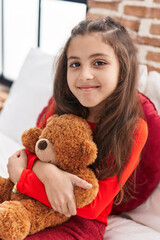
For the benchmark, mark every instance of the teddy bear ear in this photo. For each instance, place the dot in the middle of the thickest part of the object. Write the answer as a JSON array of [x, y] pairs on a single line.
[[89, 152], [30, 137]]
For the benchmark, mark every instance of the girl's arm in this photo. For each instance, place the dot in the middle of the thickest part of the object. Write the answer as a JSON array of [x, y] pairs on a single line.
[[16, 163], [56, 192], [59, 186], [109, 188]]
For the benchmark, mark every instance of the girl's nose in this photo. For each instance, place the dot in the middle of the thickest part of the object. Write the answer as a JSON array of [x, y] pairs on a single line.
[[86, 74]]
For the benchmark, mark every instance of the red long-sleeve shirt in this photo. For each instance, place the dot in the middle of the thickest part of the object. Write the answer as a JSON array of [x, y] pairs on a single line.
[[101, 206]]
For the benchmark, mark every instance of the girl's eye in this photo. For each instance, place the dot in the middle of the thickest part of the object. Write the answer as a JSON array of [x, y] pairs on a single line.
[[99, 63], [75, 65]]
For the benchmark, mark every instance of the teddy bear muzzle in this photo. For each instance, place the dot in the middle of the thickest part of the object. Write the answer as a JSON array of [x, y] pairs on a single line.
[[44, 151]]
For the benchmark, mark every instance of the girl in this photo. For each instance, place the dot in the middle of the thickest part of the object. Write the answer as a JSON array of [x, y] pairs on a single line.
[[96, 79]]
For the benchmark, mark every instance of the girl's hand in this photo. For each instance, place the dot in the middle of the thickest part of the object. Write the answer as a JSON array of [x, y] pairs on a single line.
[[16, 163], [59, 186]]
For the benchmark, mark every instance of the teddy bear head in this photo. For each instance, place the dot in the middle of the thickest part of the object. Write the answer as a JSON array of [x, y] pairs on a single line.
[[65, 141]]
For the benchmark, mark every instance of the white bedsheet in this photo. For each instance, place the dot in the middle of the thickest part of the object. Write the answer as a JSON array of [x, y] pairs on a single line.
[[124, 229]]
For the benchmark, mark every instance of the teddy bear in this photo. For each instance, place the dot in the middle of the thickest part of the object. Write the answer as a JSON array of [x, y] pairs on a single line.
[[67, 142]]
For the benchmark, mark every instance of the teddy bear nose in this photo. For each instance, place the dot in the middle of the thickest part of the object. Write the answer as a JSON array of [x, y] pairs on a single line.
[[42, 144]]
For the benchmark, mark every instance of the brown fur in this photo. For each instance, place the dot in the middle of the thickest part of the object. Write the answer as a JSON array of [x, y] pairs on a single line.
[[72, 143]]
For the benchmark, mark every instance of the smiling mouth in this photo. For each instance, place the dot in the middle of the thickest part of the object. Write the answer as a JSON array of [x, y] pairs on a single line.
[[88, 88]]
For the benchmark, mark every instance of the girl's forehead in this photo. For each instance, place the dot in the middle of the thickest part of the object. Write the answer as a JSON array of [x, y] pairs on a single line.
[[88, 43]]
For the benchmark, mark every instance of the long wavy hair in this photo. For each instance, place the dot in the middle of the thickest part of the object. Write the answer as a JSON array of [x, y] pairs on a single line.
[[114, 133]]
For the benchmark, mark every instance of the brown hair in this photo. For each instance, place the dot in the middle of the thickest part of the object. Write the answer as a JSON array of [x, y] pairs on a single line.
[[114, 131]]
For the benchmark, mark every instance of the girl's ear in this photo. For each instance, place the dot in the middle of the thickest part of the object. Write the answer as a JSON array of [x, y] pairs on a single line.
[[89, 152], [30, 137]]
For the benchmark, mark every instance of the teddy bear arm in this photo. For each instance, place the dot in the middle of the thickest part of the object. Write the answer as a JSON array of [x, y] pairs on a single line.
[[86, 196], [30, 137], [89, 152]]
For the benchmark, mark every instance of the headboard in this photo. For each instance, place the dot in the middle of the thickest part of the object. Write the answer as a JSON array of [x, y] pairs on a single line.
[[26, 24]]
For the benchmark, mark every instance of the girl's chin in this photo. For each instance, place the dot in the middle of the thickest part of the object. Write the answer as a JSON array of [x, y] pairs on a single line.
[[90, 103], [87, 105], [96, 106]]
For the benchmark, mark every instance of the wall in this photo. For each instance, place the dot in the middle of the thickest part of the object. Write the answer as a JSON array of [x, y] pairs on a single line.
[[141, 17]]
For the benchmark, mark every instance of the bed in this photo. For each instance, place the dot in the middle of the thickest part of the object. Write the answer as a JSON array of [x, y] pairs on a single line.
[[30, 93]]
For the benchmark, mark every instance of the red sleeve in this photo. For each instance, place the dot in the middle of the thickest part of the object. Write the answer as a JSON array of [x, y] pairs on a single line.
[[109, 188], [30, 185], [31, 157]]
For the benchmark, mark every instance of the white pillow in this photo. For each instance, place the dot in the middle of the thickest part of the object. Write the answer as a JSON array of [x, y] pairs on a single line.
[[148, 213], [7, 147], [28, 95], [149, 84], [153, 88], [142, 81]]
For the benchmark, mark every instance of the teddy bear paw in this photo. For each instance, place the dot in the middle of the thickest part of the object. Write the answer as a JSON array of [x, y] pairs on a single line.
[[14, 223]]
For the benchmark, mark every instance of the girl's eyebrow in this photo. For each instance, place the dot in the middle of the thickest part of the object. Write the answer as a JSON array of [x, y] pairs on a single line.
[[73, 57], [99, 55], [91, 56]]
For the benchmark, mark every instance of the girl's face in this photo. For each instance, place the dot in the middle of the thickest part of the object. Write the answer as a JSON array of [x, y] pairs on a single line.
[[92, 70]]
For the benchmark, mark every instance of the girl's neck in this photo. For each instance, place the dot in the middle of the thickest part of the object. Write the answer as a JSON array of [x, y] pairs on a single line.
[[95, 113], [91, 119], [93, 116]]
